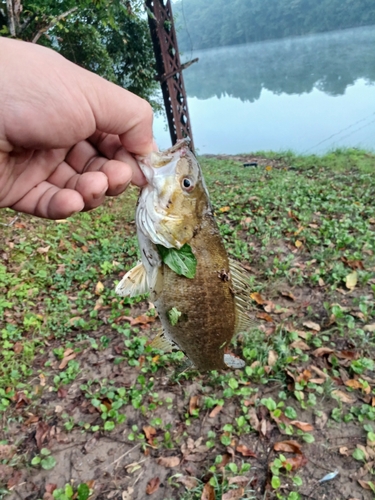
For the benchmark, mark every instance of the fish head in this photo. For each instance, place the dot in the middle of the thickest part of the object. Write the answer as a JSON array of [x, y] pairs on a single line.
[[172, 205]]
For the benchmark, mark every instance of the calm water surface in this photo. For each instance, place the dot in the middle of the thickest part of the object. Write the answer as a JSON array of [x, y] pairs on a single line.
[[308, 94]]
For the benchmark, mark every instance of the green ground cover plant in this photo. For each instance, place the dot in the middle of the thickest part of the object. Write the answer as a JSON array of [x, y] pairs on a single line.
[[90, 410]]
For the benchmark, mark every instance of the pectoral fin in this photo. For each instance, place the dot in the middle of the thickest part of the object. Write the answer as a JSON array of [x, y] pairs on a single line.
[[134, 282], [233, 361]]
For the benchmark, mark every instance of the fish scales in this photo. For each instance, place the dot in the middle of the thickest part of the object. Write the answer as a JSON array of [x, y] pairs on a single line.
[[206, 302], [174, 210]]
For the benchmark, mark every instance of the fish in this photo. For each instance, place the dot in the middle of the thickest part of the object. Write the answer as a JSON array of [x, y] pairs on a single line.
[[202, 311]]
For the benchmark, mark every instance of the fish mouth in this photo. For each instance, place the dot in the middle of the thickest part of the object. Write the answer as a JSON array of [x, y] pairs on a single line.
[[152, 216]]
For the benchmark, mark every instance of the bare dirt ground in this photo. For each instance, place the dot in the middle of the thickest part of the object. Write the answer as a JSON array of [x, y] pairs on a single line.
[[305, 400]]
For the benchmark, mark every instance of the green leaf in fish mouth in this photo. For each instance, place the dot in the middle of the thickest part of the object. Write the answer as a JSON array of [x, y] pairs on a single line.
[[182, 261], [173, 316]]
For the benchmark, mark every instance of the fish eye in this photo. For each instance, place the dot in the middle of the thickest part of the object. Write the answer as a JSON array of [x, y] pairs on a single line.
[[187, 184]]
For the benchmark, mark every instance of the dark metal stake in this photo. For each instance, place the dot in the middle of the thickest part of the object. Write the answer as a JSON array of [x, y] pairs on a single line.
[[169, 69]]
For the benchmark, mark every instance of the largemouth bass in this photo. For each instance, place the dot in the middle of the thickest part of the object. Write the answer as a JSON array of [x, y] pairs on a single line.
[[201, 313]]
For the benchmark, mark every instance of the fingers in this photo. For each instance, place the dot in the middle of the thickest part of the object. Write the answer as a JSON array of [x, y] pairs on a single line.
[[85, 191], [120, 112], [121, 168], [50, 202]]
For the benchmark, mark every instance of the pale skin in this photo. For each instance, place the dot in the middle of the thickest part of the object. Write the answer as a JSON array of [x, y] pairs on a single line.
[[67, 137]]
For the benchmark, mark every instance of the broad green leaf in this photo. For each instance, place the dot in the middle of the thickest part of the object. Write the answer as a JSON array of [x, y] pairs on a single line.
[[109, 425], [358, 454], [83, 492], [275, 482], [48, 463], [173, 316], [36, 460], [182, 261]]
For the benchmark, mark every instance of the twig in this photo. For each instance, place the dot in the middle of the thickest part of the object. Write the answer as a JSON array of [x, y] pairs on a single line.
[[54, 21], [10, 224], [124, 455], [11, 22]]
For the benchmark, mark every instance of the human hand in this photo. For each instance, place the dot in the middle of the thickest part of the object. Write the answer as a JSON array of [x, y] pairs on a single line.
[[67, 136]]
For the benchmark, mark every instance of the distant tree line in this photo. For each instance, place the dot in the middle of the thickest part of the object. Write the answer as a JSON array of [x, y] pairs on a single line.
[[330, 62], [216, 23]]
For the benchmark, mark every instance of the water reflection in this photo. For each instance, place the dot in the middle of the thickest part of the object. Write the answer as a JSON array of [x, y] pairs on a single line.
[[308, 94], [329, 62]]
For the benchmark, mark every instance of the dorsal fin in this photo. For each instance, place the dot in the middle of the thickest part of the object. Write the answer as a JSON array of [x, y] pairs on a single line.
[[240, 278], [242, 290], [134, 282]]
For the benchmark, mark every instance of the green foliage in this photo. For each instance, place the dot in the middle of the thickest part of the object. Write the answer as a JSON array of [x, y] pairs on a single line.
[[182, 261], [219, 23], [108, 37]]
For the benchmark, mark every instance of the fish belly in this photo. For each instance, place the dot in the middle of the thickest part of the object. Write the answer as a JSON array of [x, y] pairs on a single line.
[[206, 302]]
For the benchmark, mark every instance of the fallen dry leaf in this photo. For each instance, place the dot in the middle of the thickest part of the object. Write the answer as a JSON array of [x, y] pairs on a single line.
[[322, 351], [320, 372], [304, 426], [233, 494], [265, 316], [354, 384], [215, 411], [42, 250], [257, 297], [66, 360], [239, 480], [150, 433], [193, 404], [365, 484], [344, 451], [369, 328], [6, 451], [42, 432], [127, 494], [208, 492], [17, 347], [14, 479], [354, 264], [152, 485], [298, 243], [99, 288], [351, 280], [342, 396], [296, 462], [288, 447], [245, 451], [312, 325], [168, 461], [224, 209], [300, 344], [304, 376], [272, 358], [253, 418], [50, 487], [289, 295], [188, 481]]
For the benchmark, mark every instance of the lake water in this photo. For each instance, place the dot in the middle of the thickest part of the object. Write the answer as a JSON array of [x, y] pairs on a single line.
[[308, 94]]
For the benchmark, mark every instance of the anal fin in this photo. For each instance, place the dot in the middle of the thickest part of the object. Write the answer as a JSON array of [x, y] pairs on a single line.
[[162, 343], [134, 282]]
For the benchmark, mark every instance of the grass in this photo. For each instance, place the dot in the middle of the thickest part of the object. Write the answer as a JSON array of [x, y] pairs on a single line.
[[304, 227]]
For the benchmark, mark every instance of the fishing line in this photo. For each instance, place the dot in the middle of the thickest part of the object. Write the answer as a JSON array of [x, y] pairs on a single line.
[[357, 130], [339, 132]]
